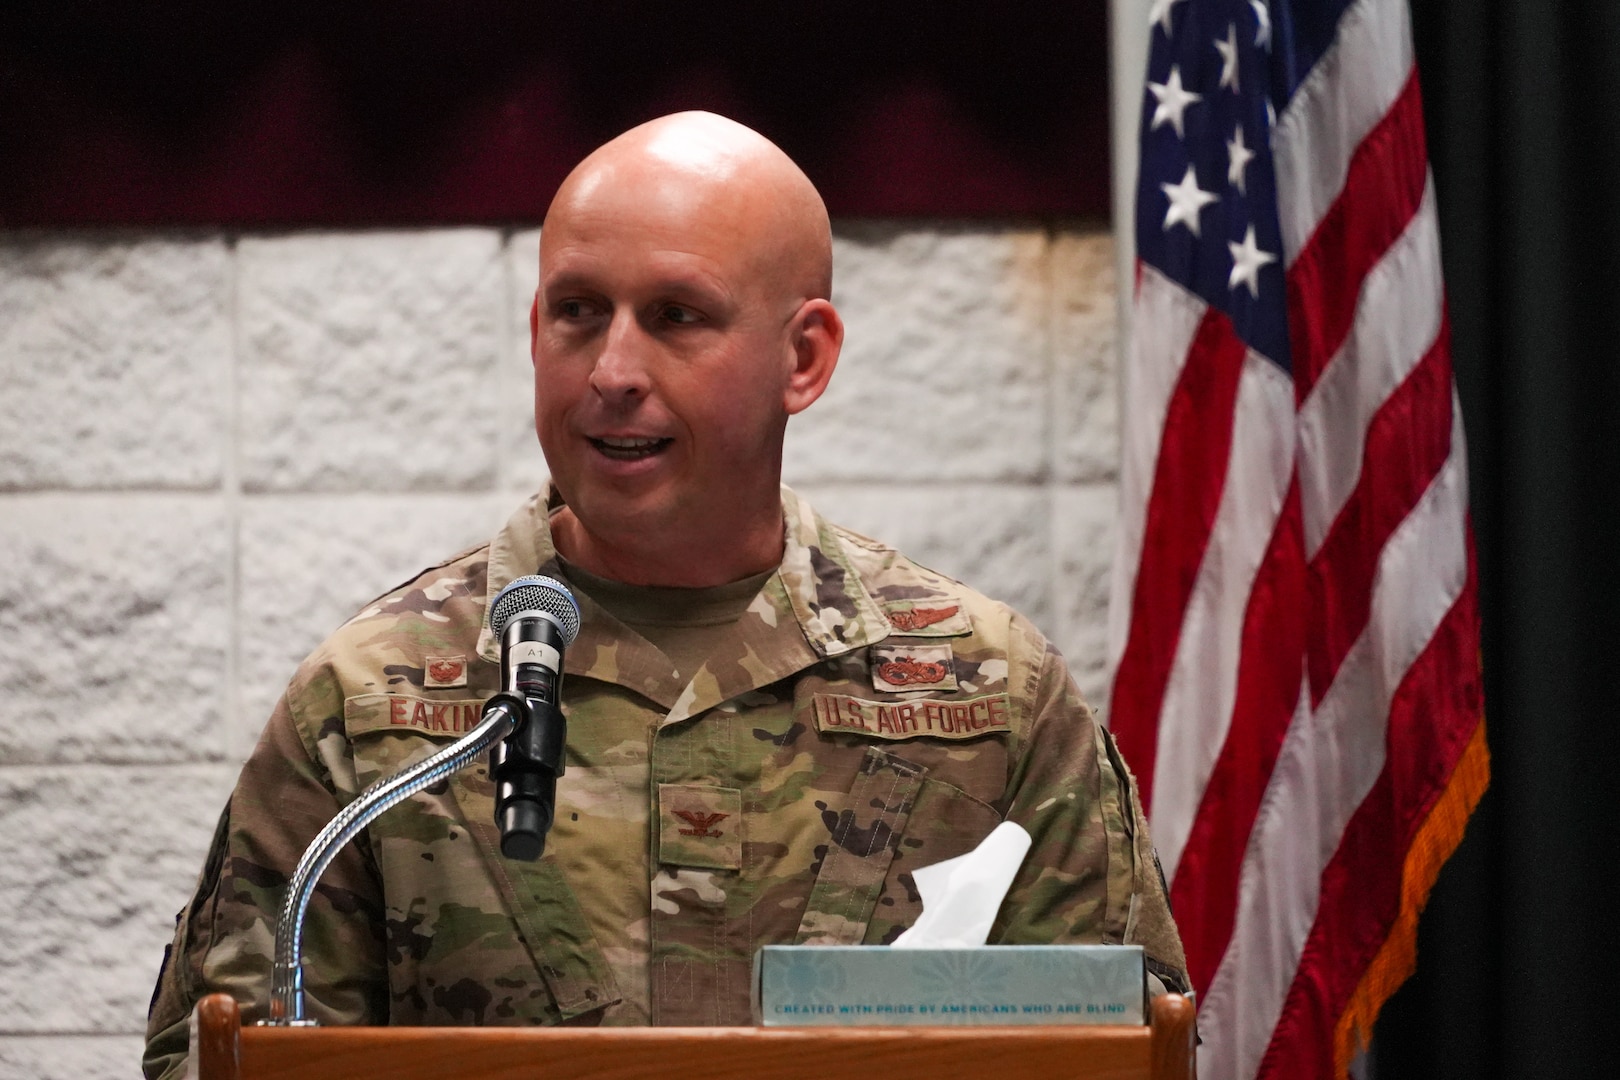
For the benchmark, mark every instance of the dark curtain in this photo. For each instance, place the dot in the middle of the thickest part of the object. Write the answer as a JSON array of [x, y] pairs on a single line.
[[1519, 943]]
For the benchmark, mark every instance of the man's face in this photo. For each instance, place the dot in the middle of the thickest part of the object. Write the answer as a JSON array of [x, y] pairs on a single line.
[[661, 352]]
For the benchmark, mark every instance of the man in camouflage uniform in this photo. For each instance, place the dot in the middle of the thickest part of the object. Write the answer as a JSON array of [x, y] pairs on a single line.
[[771, 721]]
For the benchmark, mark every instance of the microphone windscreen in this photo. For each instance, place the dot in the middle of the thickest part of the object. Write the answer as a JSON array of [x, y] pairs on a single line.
[[536, 593]]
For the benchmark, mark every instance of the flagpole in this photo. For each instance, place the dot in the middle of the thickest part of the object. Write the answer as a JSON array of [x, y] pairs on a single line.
[[1128, 37]]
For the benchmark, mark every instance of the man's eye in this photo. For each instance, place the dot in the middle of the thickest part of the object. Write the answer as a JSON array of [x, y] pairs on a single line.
[[681, 316], [573, 309]]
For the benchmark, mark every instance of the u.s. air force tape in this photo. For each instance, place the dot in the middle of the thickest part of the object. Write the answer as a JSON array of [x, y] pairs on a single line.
[[963, 719]]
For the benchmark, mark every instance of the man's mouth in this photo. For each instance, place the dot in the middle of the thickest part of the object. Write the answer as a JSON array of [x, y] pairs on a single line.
[[630, 449]]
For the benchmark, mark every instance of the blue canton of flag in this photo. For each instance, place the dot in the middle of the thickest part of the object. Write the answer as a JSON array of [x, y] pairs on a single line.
[[1206, 199]]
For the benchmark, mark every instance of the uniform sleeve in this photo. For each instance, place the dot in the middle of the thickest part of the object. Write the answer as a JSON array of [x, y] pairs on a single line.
[[296, 780], [1091, 874]]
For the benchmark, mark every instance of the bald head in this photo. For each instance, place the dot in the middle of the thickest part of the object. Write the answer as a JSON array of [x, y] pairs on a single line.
[[696, 169], [682, 317]]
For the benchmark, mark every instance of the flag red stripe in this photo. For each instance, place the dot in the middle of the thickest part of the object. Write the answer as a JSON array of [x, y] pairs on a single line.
[[1204, 894], [1407, 443], [1187, 484], [1432, 716], [1382, 191]]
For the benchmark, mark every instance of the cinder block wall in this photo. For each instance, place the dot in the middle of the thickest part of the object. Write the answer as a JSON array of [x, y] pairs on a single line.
[[214, 448]]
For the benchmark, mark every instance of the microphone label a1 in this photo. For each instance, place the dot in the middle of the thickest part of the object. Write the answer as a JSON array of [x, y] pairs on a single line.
[[535, 652]]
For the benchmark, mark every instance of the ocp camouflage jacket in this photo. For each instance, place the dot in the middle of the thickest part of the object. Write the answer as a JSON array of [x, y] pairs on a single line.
[[872, 717]]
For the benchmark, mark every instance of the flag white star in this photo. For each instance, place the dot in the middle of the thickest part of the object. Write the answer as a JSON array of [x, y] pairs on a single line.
[[1247, 259], [1160, 13], [1229, 57], [1262, 18], [1186, 200], [1238, 157], [1173, 101]]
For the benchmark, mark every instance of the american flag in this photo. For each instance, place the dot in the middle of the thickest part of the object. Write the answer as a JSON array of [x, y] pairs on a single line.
[[1294, 628]]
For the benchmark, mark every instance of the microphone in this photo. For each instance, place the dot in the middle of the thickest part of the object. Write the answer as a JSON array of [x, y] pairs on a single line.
[[535, 618]]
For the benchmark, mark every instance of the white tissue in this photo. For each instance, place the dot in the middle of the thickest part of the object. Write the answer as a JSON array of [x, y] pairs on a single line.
[[961, 896]]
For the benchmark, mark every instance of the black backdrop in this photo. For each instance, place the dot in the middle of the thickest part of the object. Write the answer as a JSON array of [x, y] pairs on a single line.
[[1519, 943]]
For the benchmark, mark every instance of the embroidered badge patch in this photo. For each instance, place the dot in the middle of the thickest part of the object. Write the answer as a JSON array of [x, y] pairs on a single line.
[[444, 672], [938, 617], [917, 618], [899, 668], [699, 825]]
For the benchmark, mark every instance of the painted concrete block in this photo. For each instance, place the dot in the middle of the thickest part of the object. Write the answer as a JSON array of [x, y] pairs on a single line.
[[114, 627], [369, 360], [71, 1057], [944, 370], [117, 357], [94, 863]]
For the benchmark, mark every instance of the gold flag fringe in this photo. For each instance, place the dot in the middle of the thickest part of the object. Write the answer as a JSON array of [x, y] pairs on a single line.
[[1436, 839]]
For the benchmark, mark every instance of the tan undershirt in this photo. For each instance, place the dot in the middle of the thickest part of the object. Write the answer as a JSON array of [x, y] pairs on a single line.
[[685, 624]]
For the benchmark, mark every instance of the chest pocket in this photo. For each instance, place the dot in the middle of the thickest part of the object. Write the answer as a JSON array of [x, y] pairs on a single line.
[[860, 850], [474, 938]]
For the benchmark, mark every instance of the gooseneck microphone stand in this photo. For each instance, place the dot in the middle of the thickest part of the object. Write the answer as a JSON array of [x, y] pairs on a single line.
[[531, 723], [502, 714]]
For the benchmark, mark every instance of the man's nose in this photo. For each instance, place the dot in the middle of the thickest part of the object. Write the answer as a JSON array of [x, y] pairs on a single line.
[[621, 371]]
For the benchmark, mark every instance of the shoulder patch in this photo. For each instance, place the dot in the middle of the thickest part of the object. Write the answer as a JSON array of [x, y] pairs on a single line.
[[918, 718], [442, 718], [942, 617]]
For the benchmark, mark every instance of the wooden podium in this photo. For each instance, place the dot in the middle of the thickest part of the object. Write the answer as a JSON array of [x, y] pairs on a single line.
[[1160, 1050]]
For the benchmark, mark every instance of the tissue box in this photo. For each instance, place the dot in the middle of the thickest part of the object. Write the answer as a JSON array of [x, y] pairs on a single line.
[[850, 985]]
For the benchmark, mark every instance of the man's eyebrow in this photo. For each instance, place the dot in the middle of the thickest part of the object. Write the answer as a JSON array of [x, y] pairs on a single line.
[[706, 287], [566, 280]]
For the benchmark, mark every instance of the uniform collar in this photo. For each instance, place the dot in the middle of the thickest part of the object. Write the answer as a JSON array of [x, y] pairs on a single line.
[[523, 546], [829, 599], [816, 588]]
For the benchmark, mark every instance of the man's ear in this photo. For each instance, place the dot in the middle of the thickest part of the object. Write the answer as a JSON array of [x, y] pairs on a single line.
[[817, 336]]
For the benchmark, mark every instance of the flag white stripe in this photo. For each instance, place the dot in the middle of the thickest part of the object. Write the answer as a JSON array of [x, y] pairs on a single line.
[[1229, 1024], [1165, 322], [1397, 321], [1198, 699], [1329, 761], [1344, 97]]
